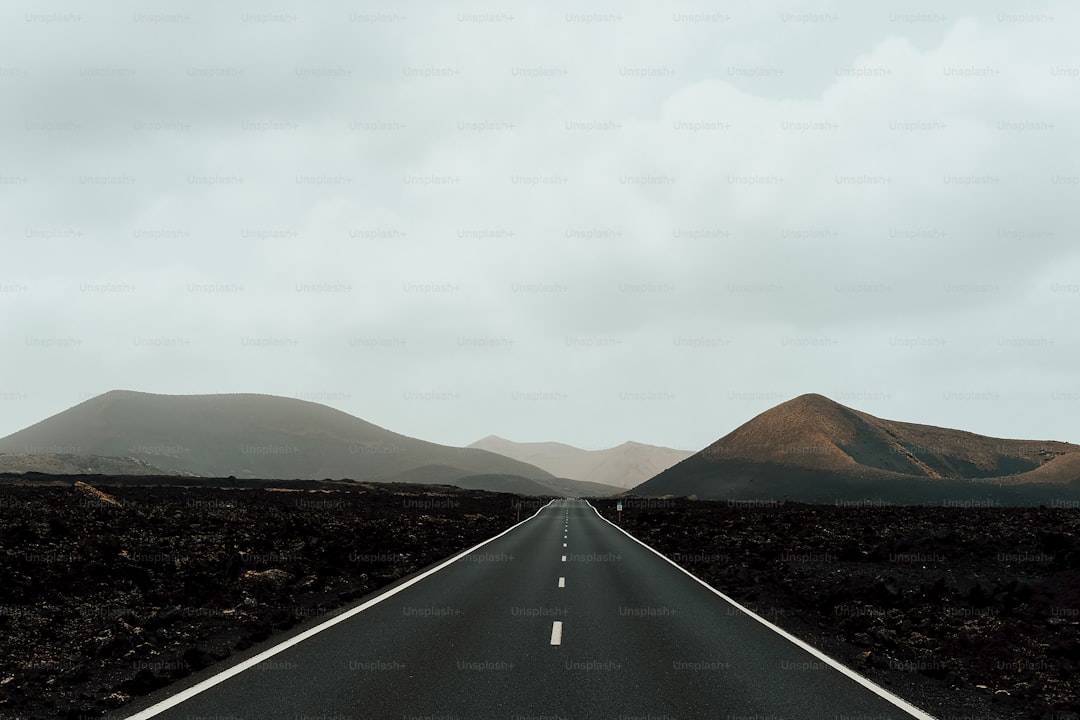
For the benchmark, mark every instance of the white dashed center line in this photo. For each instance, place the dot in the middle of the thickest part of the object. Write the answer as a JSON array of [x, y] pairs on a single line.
[[556, 632]]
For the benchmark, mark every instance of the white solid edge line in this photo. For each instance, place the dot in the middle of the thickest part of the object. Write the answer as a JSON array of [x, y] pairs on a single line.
[[868, 684], [556, 632], [224, 675]]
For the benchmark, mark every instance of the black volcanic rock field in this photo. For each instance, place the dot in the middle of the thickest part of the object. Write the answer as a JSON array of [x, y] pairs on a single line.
[[111, 590], [114, 586], [968, 612]]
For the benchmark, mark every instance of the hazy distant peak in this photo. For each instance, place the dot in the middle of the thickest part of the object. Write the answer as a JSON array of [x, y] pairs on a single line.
[[623, 466]]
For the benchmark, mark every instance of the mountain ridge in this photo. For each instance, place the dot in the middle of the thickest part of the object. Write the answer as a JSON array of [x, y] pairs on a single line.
[[814, 449], [246, 435]]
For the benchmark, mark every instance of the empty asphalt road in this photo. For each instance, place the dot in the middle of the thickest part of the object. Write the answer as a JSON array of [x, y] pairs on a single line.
[[563, 616]]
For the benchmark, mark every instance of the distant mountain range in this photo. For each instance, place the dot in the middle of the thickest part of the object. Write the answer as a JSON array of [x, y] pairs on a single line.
[[813, 449], [623, 466], [809, 449], [264, 436]]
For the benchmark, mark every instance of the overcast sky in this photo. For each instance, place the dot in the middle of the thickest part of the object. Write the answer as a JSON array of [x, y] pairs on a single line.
[[552, 221]]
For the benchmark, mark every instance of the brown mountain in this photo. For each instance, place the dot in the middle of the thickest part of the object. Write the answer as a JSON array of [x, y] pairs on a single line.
[[623, 466], [812, 449], [250, 436]]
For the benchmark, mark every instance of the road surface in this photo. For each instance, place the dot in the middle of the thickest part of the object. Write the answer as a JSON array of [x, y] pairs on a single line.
[[563, 616]]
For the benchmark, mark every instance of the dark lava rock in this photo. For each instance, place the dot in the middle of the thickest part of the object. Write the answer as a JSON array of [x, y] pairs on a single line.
[[197, 658], [103, 600]]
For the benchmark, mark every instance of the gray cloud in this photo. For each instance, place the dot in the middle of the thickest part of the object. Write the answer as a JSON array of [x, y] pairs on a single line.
[[586, 225]]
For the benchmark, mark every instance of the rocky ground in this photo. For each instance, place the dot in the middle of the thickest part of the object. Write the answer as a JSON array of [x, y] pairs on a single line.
[[966, 612], [110, 591]]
